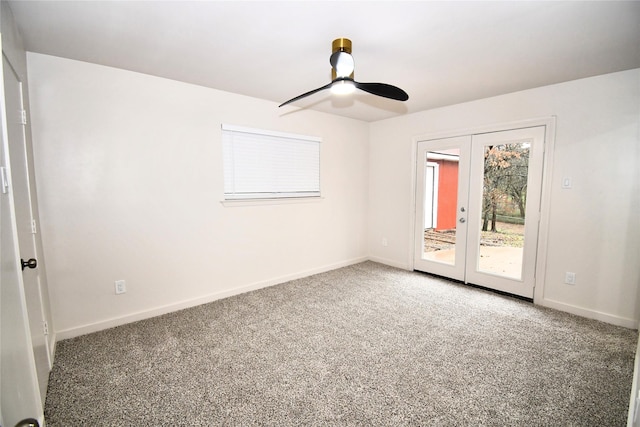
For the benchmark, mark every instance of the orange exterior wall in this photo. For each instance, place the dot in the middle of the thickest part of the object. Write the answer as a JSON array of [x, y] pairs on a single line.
[[447, 195]]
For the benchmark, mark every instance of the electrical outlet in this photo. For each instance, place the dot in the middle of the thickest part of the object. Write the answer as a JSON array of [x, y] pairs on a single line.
[[121, 287], [385, 242], [570, 278]]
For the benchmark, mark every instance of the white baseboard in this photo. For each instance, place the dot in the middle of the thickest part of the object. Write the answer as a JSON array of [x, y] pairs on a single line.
[[590, 314], [391, 263], [169, 308], [180, 305]]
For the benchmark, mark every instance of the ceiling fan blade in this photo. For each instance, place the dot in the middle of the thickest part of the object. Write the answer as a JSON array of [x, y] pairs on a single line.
[[384, 90], [311, 92]]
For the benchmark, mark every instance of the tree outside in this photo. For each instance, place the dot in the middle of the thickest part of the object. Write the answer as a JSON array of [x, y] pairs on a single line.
[[504, 195]]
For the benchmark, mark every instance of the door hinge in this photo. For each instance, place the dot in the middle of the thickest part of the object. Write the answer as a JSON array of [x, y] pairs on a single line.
[[45, 328], [5, 180], [23, 117], [34, 229]]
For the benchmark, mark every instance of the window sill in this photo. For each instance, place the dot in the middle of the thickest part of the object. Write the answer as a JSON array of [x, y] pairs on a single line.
[[262, 202]]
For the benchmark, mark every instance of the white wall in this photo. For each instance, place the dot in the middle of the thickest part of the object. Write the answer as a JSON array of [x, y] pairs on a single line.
[[129, 176], [129, 171], [594, 228]]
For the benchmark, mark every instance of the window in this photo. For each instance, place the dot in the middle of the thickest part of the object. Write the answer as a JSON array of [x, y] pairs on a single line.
[[262, 164]]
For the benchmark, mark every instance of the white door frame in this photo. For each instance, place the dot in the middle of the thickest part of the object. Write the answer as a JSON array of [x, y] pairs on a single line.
[[545, 198]]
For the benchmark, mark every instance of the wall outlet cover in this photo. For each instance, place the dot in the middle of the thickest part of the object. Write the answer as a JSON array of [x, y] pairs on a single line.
[[570, 278], [121, 287]]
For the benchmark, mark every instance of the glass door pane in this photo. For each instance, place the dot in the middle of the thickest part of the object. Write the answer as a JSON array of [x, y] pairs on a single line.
[[440, 205], [504, 199]]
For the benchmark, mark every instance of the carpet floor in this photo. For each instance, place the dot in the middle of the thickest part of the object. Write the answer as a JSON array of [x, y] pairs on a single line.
[[365, 345]]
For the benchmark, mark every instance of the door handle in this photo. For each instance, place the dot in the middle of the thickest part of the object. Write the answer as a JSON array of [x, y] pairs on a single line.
[[32, 263], [462, 220], [29, 422]]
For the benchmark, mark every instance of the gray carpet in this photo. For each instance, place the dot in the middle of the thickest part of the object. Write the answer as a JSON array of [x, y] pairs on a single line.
[[366, 345]]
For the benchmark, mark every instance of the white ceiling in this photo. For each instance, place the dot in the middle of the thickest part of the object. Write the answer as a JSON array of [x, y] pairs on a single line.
[[441, 53]]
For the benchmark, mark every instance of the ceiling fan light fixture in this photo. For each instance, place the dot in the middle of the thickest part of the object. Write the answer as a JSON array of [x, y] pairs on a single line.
[[343, 87], [342, 82]]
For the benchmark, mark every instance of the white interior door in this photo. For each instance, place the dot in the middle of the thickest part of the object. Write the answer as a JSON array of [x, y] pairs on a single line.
[[19, 391], [25, 223], [492, 241]]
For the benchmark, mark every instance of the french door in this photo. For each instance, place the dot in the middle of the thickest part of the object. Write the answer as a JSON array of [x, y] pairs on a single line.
[[477, 208]]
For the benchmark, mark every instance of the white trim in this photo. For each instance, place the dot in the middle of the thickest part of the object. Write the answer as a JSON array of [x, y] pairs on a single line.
[[391, 263], [446, 157], [242, 129], [193, 302], [261, 202], [272, 196], [545, 209], [590, 314], [477, 130], [413, 200]]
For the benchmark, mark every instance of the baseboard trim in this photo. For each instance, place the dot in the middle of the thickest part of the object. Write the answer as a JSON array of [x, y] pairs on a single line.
[[590, 314], [390, 263], [193, 302]]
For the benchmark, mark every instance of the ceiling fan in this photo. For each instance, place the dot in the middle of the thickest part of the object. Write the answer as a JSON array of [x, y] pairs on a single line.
[[342, 82]]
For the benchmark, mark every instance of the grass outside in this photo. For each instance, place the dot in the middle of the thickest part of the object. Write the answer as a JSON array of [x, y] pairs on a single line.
[[511, 235]]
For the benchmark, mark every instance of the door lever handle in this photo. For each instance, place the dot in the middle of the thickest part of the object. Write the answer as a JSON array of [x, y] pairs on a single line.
[[462, 220], [29, 422], [32, 263]]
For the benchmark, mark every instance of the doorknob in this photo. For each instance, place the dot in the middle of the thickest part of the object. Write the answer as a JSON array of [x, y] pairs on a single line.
[[29, 422], [32, 263]]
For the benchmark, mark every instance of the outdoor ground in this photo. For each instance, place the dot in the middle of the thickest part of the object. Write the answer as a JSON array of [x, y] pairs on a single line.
[[510, 235], [500, 251]]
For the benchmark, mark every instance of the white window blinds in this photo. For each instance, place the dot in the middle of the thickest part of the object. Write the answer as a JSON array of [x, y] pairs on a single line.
[[265, 165]]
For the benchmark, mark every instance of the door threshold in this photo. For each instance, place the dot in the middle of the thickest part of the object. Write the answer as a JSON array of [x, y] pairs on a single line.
[[484, 288]]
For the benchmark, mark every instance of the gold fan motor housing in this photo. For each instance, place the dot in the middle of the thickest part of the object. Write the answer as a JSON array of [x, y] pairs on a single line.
[[340, 45]]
